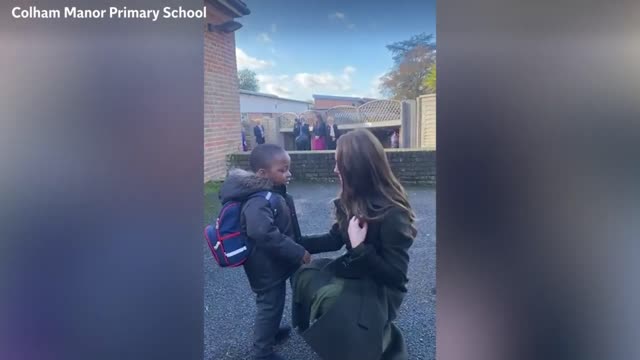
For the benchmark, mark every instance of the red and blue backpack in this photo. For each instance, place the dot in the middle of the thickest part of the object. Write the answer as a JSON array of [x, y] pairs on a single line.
[[229, 244]]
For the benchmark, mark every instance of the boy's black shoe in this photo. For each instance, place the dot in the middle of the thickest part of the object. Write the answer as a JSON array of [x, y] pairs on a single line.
[[283, 334]]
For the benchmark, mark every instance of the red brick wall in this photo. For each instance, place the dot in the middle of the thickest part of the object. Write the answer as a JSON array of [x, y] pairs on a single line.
[[221, 99]]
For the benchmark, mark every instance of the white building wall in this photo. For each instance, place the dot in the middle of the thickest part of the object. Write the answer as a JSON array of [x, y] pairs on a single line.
[[262, 104]]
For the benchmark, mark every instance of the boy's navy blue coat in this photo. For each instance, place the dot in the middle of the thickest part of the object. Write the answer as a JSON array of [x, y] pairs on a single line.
[[275, 253]]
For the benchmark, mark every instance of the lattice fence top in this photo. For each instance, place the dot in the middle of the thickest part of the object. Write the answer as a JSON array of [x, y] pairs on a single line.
[[373, 111], [381, 110], [310, 116], [344, 115]]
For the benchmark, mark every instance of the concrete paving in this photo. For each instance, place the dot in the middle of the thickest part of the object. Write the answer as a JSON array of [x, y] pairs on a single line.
[[229, 302]]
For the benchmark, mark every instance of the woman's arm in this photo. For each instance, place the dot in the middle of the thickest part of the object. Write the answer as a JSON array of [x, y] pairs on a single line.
[[331, 241], [390, 264]]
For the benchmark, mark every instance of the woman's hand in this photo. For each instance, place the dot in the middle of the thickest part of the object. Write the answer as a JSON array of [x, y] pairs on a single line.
[[356, 232], [306, 258]]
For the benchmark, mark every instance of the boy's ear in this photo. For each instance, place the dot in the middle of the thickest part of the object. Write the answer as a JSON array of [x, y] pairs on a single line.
[[261, 172]]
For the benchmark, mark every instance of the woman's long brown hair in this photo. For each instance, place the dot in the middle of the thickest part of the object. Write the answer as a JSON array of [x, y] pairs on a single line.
[[369, 187]]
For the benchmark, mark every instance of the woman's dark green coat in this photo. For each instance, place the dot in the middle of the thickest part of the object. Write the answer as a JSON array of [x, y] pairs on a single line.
[[375, 276]]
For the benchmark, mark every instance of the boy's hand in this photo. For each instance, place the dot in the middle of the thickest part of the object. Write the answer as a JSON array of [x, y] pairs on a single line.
[[306, 258]]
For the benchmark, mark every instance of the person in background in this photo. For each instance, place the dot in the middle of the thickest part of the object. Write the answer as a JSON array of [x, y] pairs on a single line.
[[301, 133], [306, 131], [319, 141], [297, 126], [244, 140], [258, 132], [394, 140], [332, 133]]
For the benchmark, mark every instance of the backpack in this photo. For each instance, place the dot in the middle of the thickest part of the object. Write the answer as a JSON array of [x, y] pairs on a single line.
[[229, 245]]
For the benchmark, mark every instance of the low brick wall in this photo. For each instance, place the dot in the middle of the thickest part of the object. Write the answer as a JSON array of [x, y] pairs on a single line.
[[411, 166]]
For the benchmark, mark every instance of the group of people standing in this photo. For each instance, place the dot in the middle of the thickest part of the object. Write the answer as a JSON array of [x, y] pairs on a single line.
[[313, 134], [321, 136], [309, 134]]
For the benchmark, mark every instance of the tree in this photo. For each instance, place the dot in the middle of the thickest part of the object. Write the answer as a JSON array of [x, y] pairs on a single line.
[[413, 59], [429, 82], [247, 80]]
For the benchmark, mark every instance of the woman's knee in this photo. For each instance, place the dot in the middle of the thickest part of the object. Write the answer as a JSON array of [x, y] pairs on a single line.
[[320, 263], [306, 274], [302, 276]]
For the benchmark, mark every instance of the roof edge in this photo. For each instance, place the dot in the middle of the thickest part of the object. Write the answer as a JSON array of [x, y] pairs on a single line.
[[255, 93], [335, 97], [237, 7]]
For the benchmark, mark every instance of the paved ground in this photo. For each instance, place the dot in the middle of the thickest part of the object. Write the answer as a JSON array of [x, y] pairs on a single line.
[[229, 336]]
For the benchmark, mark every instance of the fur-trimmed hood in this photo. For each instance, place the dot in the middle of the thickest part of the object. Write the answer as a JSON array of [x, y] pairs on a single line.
[[239, 184]]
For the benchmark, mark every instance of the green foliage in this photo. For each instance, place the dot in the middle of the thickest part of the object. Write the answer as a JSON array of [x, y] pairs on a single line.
[[413, 60], [401, 49], [429, 82], [211, 202], [248, 80]]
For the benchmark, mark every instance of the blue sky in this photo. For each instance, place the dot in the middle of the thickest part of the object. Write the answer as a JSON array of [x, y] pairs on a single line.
[[329, 47]]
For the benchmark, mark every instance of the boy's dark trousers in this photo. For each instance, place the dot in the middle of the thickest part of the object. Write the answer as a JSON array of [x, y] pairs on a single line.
[[269, 309]]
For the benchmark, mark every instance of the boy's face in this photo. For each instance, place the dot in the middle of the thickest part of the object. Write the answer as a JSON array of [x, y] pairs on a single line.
[[279, 172]]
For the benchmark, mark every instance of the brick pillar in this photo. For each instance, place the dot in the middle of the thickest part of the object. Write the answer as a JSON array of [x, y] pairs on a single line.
[[222, 131]]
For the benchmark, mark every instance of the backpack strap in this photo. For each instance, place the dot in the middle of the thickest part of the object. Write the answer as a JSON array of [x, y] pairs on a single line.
[[271, 197]]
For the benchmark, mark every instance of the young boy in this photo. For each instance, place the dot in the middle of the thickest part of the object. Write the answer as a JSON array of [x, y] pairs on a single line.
[[274, 233]]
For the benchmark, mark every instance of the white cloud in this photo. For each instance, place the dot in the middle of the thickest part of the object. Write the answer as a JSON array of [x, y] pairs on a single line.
[[264, 37], [342, 18], [321, 80], [276, 85], [349, 70], [302, 85], [374, 90], [247, 62], [274, 28], [326, 80]]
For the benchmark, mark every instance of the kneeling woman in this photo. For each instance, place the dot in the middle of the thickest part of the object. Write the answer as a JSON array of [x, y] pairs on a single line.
[[345, 307]]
